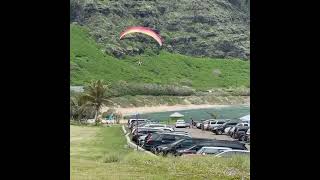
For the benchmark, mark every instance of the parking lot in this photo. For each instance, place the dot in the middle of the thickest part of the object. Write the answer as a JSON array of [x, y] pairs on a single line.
[[198, 133], [147, 141]]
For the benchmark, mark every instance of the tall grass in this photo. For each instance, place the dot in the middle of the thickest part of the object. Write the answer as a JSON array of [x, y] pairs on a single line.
[[101, 153]]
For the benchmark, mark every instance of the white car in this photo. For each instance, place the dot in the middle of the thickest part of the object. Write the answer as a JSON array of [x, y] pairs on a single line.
[[205, 124], [233, 152], [181, 123], [198, 125]]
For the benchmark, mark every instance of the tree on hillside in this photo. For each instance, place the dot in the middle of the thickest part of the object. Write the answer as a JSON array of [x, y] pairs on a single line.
[[95, 96]]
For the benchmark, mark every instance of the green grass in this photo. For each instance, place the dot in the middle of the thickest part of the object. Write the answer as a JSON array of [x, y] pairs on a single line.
[[88, 61], [100, 153]]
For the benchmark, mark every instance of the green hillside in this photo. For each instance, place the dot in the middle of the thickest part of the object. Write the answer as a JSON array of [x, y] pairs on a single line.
[[89, 61], [199, 28]]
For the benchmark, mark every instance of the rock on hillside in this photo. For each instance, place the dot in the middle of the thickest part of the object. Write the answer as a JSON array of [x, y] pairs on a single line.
[[210, 28]]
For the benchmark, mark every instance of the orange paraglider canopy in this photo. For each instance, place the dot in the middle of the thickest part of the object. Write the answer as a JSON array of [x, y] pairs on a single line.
[[143, 30]]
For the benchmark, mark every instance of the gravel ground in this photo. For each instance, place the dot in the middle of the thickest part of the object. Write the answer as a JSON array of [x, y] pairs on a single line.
[[198, 133]]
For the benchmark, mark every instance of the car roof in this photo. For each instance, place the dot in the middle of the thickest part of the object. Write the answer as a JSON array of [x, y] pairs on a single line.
[[215, 147], [175, 133]]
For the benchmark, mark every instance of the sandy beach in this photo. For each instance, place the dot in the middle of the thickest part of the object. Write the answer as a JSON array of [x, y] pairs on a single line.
[[142, 110]]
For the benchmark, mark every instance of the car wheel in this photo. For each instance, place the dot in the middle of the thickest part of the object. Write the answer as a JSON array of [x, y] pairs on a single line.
[[219, 132], [233, 136]]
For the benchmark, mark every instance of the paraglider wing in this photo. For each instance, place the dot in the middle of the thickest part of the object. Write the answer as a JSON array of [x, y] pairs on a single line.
[[143, 30]]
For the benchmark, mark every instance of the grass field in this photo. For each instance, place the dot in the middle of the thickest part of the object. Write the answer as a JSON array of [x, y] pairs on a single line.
[[101, 153], [88, 61]]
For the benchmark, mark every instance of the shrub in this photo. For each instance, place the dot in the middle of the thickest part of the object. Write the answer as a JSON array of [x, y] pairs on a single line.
[[111, 158]]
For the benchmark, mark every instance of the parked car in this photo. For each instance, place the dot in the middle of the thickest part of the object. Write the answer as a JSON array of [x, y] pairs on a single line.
[[189, 150], [233, 152], [221, 129], [230, 132], [245, 137], [195, 148], [195, 123], [155, 139], [143, 131], [215, 123], [212, 150], [239, 131], [198, 125], [181, 123], [207, 150], [151, 125], [131, 122], [248, 135], [196, 144], [205, 124], [159, 126], [141, 139], [180, 144]]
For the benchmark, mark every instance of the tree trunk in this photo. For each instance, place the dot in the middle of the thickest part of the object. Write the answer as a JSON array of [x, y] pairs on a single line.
[[96, 117]]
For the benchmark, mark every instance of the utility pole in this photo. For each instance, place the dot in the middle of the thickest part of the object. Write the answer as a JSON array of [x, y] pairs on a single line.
[[137, 130]]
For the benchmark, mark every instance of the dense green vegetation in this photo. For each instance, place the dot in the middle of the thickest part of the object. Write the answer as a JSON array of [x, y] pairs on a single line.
[[203, 28], [88, 61], [101, 153]]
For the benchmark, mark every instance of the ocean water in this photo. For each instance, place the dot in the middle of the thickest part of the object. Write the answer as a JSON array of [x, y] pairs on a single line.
[[231, 112]]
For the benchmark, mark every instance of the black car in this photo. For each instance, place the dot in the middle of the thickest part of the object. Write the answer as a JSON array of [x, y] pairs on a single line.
[[155, 139], [143, 131], [183, 143], [193, 149], [220, 129], [197, 143]]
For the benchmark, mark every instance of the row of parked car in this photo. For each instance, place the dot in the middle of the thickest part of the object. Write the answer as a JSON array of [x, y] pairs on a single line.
[[234, 128], [163, 139]]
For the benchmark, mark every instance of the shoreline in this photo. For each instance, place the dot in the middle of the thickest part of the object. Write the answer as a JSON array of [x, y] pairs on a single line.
[[152, 109]]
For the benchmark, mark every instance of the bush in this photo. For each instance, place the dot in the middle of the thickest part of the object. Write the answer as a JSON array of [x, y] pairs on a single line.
[[123, 88]]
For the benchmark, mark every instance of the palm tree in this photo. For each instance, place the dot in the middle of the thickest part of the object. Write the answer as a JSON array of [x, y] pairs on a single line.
[[95, 96], [78, 107]]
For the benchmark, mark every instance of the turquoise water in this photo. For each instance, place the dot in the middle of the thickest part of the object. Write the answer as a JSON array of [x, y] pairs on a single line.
[[232, 112]]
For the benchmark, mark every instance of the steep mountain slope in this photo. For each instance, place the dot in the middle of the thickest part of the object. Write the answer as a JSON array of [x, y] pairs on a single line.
[[88, 61], [205, 28]]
